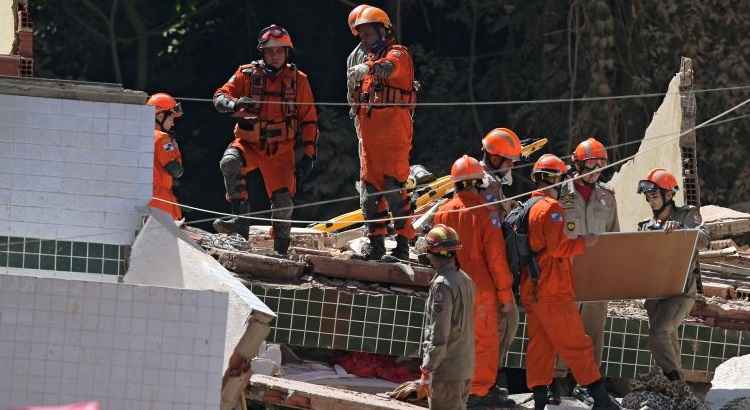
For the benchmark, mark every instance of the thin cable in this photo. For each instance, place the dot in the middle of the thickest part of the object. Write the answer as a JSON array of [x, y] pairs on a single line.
[[598, 170], [487, 103], [427, 185]]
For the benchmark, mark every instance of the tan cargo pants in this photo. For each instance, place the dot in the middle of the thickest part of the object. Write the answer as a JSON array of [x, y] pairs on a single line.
[[449, 395]]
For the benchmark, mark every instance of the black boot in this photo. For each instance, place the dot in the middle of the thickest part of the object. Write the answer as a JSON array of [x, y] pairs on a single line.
[[233, 224], [602, 400], [401, 251], [281, 245], [375, 249], [541, 397]]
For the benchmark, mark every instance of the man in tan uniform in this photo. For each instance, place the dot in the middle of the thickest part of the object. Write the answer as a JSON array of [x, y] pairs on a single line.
[[448, 348], [666, 315], [589, 208]]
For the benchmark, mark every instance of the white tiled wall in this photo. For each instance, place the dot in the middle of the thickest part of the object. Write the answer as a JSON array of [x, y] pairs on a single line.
[[129, 347], [73, 169]]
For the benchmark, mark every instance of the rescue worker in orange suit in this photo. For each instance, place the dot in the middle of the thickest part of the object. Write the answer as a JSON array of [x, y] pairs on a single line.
[[553, 322], [589, 207], [356, 57], [665, 315], [501, 148], [384, 101], [483, 258], [167, 157], [273, 102]]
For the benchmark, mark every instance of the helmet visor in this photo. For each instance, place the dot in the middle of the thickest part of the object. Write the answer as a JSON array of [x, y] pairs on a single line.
[[548, 177], [594, 163], [647, 187]]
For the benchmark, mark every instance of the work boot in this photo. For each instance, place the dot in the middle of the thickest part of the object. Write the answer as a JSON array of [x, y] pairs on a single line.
[[602, 400], [375, 249], [496, 398], [401, 251], [281, 245], [233, 224], [541, 397]]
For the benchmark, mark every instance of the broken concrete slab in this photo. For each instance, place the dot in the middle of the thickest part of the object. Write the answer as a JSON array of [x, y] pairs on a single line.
[[254, 266], [369, 271], [299, 395], [730, 382]]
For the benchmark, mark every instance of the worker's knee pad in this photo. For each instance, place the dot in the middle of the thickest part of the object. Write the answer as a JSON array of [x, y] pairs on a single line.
[[231, 162], [368, 201], [398, 200], [282, 204]]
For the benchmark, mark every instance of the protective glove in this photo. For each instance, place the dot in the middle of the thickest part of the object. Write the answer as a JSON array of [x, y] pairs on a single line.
[[670, 226], [424, 390], [244, 103], [305, 167], [357, 73]]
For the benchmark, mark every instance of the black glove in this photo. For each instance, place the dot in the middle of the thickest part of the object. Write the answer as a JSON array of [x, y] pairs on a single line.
[[305, 167], [245, 103]]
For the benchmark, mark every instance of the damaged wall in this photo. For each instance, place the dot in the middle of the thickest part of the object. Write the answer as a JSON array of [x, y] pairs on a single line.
[[659, 149], [129, 347]]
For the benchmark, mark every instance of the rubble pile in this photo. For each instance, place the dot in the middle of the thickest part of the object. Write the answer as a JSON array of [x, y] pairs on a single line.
[[653, 390]]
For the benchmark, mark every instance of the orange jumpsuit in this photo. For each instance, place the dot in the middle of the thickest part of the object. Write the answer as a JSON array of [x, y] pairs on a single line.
[[166, 151], [267, 143], [386, 136], [553, 322], [482, 257]]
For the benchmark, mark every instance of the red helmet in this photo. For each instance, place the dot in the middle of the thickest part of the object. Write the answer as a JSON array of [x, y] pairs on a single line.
[[590, 149], [503, 142], [373, 15], [353, 16], [466, 168], [440, 240], [274, 36], [165, 102], [658, 178]]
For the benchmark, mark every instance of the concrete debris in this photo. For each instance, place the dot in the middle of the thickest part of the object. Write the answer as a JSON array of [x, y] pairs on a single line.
[[653, 390], [368, 271], [254, 266], [730, 387], [299, 395]]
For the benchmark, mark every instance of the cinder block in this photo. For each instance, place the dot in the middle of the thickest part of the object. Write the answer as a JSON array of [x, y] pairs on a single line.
[[116, 110], [123, 158]]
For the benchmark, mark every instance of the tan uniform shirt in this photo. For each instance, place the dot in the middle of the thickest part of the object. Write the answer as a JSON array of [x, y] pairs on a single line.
[[448, 347], [596, 216]]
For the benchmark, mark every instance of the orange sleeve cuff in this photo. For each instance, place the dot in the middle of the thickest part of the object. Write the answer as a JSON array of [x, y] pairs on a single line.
[[505, 296]]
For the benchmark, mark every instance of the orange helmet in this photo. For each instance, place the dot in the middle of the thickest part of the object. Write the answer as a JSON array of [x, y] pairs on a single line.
[[550, 164], [441, 240], [503, 142], [165, 102], [353, 15], [590, 149], [658, 178], [373, 15], [466, 168], [274, 36]]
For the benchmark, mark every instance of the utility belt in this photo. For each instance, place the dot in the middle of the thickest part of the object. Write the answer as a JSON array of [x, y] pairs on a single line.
[[387, 95], [267, 135]]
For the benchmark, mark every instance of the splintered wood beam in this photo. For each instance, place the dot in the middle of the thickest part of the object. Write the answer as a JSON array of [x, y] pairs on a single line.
[[369, 271], [299, 395]]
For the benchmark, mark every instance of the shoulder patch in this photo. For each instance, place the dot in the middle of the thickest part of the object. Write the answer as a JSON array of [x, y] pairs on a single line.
[[169, 147], [571, 226], [556, 217]]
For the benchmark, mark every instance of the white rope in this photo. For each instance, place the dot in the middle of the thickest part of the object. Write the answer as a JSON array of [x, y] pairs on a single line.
[[598, 170]]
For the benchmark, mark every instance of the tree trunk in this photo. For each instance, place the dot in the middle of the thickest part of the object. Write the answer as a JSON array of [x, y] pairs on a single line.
[[141, 34]]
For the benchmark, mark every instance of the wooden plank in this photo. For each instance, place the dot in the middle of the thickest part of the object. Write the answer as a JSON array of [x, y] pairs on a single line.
[[635, 265], [369, 271], [259, 266], [300, 395]]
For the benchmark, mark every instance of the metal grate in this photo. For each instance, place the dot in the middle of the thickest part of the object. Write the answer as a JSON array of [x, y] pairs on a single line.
[[24, 16], [26, 68]]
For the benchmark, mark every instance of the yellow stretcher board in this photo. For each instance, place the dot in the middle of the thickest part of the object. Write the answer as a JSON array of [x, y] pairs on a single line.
[[434, 191]]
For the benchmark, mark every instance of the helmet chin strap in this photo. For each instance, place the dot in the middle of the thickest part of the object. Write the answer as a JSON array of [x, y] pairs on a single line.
[[161, 123], [664, 204]]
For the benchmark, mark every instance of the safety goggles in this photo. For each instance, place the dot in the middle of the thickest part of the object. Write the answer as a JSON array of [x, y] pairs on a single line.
[[594, 164], [177, 110], [272, 32], [645, 187], [547, 177]]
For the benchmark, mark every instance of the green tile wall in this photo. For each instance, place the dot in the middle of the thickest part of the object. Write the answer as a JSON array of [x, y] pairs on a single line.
[[65, 256], [392, 324]]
